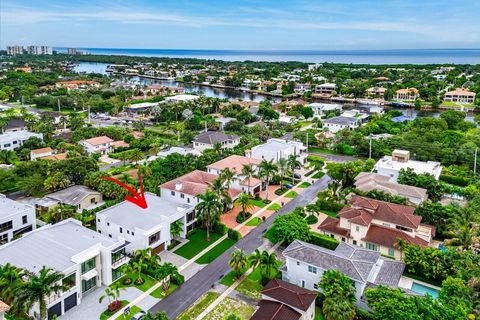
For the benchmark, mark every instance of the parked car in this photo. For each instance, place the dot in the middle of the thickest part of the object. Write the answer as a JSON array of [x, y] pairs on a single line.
[[297, 175], [138, 315], [287, 185]]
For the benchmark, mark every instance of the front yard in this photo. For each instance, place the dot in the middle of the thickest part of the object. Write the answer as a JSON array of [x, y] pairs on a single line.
[[231, 306], [197, 243], [133, 310], [201, 304], [251, 285], [147, 283], [216, 251]]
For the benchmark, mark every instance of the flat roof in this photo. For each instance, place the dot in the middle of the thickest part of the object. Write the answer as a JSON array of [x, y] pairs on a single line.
[[131, 216], [15, 135], [52, 245], [418, 167], [9, 206], [142, 105], [277, 144]]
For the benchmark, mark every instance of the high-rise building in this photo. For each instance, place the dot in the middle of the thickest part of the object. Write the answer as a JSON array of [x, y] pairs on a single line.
[[39, 50], [72, 50], [14, 50]]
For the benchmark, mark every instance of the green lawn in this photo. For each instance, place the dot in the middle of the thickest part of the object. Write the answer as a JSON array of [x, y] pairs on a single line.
[[270, 235], [318, 313], [254, 222], [159, 293], [228, 279], [201, 304], [216, 251], [291, 194], [257, 203], [198, 242], [330, 213], [147, 284], [107, 314], [274, 207], [321, 150], [305, 185], [133, 311], [251, 285], [318, 175]]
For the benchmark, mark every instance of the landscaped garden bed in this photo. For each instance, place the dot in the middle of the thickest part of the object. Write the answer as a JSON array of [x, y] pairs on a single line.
[[108, 313], [254, 222]]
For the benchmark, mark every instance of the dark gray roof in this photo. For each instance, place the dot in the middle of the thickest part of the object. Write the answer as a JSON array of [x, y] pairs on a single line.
[[212, 137], [15, 123], [72, 195], [340, 120], [390, 272]]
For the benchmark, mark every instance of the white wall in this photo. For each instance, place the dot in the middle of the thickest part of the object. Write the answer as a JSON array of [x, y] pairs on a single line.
[[17, 221]]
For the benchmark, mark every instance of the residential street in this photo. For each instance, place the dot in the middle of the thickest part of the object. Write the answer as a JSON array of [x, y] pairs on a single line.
[[185, 296], [334, 157]]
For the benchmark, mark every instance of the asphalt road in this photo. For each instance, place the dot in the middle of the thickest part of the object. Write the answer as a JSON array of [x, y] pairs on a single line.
[[182, 298]]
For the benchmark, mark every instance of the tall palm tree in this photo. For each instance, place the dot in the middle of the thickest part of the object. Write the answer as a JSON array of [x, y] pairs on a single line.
[[176, 229], [112, 293], [283, 166], [243, 201], [293, 163], [227, 176], [267, 170], [219, 187], [238, 261], [208, 209], [10, 280], [38, 287], [8, 156], [465, 230], [269, 265], [248, 172]]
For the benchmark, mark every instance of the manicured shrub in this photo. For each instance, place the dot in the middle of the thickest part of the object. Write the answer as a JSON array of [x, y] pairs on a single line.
[[220, 228], [127, 281], [312, 219], [323, 241], [240, 217], [234, 234]]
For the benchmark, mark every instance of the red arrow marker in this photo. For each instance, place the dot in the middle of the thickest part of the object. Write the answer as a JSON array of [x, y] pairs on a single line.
[[138, 199]]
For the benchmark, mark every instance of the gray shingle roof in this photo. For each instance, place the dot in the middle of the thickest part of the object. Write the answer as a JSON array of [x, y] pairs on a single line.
[[212, 137], [390, 272], [72, 195], [340, 120]]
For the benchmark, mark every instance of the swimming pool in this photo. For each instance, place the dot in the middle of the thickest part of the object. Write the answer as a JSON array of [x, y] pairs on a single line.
[[422, 289]]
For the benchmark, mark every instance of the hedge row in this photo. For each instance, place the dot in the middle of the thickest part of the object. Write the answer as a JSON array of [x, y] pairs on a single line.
[[458, 181], [323, 241]]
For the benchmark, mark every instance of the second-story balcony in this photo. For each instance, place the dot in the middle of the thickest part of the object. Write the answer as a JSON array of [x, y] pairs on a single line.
[[119, 262]]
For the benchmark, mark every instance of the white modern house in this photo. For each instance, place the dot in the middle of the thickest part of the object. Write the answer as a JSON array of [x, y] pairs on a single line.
[[276, 149], [236, 163], [180, 150], [336, 124], [208, 139], [319, 109], [15, 219], [325, 88], [145, 228], [305, 264], [86, 258], [102, 145], [390, 166], [181, 97], [15, 139]]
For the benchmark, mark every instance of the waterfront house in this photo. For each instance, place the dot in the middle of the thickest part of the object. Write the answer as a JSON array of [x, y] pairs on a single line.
[[325, 88], [77, 84], [408, 94], [87, 259], [320, 109], [145, 228], [377, 225], [376, 92], [102, 145], [390, 166], [276, 149], [15, 219], [208, 139], [305, 264], [461, 96], [336, 124]]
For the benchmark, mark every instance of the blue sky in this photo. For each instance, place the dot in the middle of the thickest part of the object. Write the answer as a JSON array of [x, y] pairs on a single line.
[[243, 24]]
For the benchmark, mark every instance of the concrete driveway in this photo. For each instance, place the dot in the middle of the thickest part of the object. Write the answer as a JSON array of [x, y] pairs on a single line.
[[175, 259]]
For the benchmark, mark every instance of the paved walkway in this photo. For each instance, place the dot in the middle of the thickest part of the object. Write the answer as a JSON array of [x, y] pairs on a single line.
[[178, 261], [179, 300]]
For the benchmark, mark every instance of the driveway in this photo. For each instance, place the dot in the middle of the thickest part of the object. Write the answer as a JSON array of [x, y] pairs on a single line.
[[182, 298], [188, 272], [90, 308]]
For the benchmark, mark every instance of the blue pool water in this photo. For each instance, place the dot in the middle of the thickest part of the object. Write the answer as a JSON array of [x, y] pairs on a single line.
[[420, 288]]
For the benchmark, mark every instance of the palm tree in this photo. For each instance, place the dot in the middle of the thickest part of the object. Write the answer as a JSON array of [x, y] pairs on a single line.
[[10, 280], [339, 292], [227, 176], [464, 230], [248, 172], [269, 265], [219, 187], [293, 163], [243, 201], [176, 229], [136, 155], [38, 287], [267, 170], [238, 261], [283, 166], [112, 293], [209, 209], [255, 258], [8, 156]]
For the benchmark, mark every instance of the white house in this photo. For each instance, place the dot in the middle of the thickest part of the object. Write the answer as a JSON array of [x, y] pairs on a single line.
[[305, 264], [15, 219], [319, 109], [208, 139], [236, 163], [15, 139], [181, 97], [276, 149], [86, 258], [180, 150], [409, 94], [390, 166], [40, 153], [336, 124], [325, 88], [460, 96], [145, 228], [102, 145]]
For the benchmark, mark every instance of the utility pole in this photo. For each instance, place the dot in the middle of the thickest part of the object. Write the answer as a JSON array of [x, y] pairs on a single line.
[[88, 113], [307, 140], [475, 162], [370, 147], [58, 103]]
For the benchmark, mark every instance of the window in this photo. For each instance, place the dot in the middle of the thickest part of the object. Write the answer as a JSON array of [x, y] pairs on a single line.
[[89, 284], [98, 220], [69, 281], [315, 286], [109, 235], [118, 255], [357, 228], [343, 239], [355, 242], [182, 195], [3, 238], [108, 223], [88, 265], [133, 233], [121, 230], [24, 219], [391, 252], [172, 193], [372, 246], [303, 283], [117, 274], [6, 226], [298, 263], [312, 269], [128, 231], [188, 200], [154, 238]]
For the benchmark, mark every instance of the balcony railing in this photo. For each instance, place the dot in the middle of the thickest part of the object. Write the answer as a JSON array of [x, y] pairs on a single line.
[[119, 262]]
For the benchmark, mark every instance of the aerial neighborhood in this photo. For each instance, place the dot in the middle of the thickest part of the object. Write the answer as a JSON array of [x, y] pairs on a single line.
[[172, 188]]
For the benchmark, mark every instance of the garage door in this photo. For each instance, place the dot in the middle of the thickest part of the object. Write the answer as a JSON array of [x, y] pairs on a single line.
[[158, 249], [70, 302], [55, 310]]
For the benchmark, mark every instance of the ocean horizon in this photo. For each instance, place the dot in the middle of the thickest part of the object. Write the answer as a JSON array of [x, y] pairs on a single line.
[[391, 56]]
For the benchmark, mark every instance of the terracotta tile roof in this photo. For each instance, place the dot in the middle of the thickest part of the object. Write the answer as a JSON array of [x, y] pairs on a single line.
[[4, 307], [234, 163], [42, 150], [388, 237], [271, 310], [289, 294], [386, 211], [138, 134], [77, 82], [332, 225], [354, 215], [98, 140], [120, 144], [195, 183], [460, 92], [253, 182], [58, 156]]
